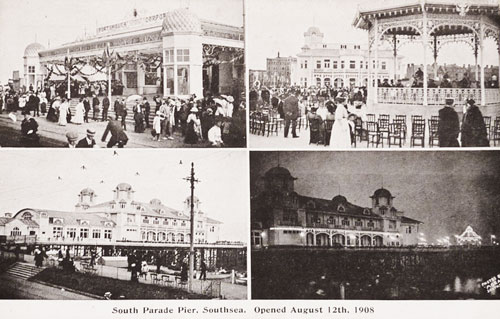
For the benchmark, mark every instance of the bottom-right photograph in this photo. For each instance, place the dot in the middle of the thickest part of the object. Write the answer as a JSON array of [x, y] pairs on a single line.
[[375, 225]]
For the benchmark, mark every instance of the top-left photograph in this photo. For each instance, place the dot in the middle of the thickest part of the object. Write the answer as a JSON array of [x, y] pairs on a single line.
[[133, 74]]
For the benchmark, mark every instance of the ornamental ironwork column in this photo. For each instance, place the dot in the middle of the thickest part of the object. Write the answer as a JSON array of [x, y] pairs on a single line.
[[424, 46], [395, 42], [375, 95], [481, 60]]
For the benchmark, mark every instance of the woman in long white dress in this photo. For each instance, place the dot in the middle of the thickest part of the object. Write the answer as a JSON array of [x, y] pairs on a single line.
[[63, 112], [341, 135], [79, 111]]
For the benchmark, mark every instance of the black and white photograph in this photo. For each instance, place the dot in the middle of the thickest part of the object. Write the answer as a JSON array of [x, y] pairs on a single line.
[[123, 225], [135, 74], [373, 74], [375, 225]]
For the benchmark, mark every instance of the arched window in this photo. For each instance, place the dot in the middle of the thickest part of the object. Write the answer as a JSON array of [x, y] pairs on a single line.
[[15, 232]]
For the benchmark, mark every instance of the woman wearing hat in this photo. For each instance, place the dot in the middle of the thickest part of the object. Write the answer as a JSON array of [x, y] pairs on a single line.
[[193, 124], [79, 112], [473, 128], [341, 135], [63, 113]]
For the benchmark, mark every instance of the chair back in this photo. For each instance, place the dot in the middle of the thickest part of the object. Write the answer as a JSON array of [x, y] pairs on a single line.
[[418, 127], [372, 127], [370, 117]]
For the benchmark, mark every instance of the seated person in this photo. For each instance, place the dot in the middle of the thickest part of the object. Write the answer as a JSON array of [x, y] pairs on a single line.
[[215, 135]]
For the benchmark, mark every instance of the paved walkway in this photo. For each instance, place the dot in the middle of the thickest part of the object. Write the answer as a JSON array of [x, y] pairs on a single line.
[[228, 290], [16, 288], [52, 133]]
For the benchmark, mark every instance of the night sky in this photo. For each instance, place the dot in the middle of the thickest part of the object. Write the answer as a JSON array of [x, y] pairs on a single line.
[[446, 190]]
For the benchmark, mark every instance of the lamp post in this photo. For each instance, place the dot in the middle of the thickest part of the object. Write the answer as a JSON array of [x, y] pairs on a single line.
[[191, 179]]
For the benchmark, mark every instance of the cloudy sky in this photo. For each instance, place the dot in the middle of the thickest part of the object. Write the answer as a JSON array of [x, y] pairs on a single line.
[[30, 179], [61, 21], [445, 190], [279, 25]]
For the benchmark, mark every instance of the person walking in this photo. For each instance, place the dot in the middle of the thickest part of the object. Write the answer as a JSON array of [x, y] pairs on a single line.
[[79, 112], [291, 108], [147, 110], [63, 112], [449, 125], [118, 136], [203, 268]]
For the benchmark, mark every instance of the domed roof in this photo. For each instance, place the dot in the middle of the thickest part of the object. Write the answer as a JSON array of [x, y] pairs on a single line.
[[87, 191], [313, 31], [181, 20], [124, 187], [278, 171], [155, 201], [382, 192], [33, 49], [339, 199]]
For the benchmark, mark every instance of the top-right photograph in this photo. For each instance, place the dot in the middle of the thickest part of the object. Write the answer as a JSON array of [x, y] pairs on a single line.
[[338, 74]]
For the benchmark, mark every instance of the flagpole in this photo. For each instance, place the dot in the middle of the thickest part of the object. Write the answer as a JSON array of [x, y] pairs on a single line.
[[109, 77]]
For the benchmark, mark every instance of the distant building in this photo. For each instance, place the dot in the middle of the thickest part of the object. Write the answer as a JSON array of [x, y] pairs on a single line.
[[281, 71], [121, 219], [280, 216], [339, 64]]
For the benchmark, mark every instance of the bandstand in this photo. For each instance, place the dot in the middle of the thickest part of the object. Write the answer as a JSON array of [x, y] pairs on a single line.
[[434, 24]]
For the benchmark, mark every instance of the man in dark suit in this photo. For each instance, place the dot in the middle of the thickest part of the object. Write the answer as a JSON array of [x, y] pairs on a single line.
[[88, 141], [118, 136], [291, 108], [449, 126], [105, 108]]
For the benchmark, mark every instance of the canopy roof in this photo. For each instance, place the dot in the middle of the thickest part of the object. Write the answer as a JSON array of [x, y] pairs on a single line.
[[384, 9]]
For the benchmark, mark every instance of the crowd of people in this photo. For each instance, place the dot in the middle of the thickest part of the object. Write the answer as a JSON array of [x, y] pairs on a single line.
[[212, 120], [319, 106], [333, 116]]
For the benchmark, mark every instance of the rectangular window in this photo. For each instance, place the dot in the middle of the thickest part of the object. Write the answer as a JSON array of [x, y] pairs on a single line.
[[212, 229], [170, 81], [57, 231], [156, 221], [305, 64], [352, 64], [256, 238], [150, 75], [84, 233], [342, 64], [96, 233], [384, 65], [51, 220], [145, 220], [183, 80], [31, 69], [174, 222], [182, 55], [358, 223], [360, 64], [165, 222], [335, 64], [345, 222], [199, 225], [107, 233], [169, 56], [327, 64], [318, 64], [71, 232], [122, 205]]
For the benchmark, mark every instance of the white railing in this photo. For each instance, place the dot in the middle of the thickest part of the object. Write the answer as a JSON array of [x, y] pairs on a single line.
[[435, 96]]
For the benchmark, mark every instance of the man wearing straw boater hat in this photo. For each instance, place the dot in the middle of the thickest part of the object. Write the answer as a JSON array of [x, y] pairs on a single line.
[[449, 125], [88, 141]]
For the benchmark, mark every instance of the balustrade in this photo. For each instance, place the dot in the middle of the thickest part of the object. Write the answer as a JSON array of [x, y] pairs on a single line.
[[436, 96]]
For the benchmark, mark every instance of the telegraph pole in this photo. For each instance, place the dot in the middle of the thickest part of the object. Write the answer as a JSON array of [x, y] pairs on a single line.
[[191, 180]]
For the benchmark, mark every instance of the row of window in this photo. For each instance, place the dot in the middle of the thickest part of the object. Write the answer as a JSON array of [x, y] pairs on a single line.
[[291, 232], [344, 222], [342, 65], [82, 232]]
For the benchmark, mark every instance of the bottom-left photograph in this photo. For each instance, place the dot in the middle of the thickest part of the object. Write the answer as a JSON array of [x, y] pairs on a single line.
[[123, 224]]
